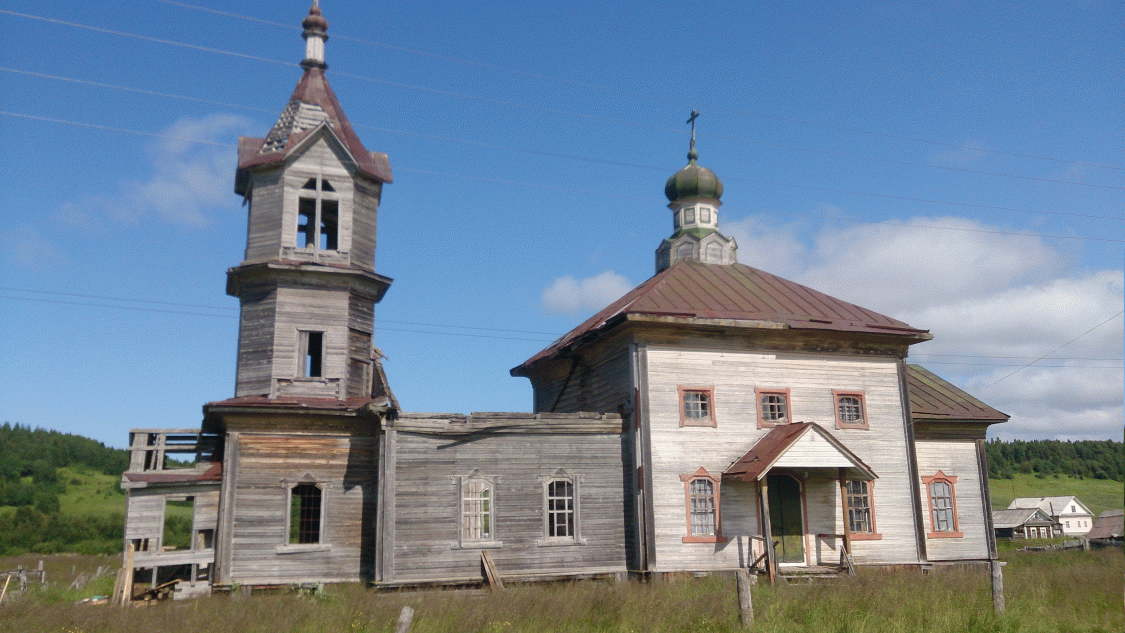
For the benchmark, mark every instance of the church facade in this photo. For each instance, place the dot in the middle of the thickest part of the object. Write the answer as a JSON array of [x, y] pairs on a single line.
[[715, 417]]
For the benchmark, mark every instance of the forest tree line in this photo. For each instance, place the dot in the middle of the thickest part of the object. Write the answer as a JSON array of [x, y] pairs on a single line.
[[31, 516], [1084, 459]]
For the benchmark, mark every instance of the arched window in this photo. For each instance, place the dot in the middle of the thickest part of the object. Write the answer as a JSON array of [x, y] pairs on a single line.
[[943, 505]]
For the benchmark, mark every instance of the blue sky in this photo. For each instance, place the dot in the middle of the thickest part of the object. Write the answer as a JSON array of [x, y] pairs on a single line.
[[955, 165]]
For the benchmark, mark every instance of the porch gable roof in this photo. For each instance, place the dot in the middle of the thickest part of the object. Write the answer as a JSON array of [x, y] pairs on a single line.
[[797, 445]]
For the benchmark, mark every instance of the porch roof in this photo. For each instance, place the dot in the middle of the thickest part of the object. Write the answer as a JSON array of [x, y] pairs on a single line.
[[804, 445]]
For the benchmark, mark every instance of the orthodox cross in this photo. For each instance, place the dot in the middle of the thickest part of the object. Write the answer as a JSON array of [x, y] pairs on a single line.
[[694, 116]]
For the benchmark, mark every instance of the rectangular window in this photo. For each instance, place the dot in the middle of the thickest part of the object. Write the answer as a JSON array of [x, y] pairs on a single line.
[[861, 510], [305, 514], [560, 509], [689, 215], [311, 354], [773, 407], [703, 519], [476, 510], [851, 410], [697, 406], [943, 505]]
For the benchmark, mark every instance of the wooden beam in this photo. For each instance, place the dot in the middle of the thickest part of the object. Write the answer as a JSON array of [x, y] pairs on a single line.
[[490, 570], [844, 508], [767, 530]]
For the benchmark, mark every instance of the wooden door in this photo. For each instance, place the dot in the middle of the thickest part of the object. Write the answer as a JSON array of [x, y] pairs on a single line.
[[786, 520]]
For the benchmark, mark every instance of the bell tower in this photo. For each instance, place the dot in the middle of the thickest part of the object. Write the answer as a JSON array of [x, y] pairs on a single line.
[[307, 285]]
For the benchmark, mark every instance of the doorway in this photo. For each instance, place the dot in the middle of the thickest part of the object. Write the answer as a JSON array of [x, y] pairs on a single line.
[[786, 520]]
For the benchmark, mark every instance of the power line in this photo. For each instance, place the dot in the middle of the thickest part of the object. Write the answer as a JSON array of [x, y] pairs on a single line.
[[588, 159], [666, 99], [484, 329], [566, 113], [1054, 350], [580, 191]]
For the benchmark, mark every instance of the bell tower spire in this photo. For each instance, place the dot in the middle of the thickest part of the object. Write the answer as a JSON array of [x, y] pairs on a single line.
[[693, 194], [307, 286], [316, 33]]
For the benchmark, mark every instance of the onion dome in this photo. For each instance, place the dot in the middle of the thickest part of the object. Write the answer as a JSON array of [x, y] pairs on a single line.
[[692, 181]]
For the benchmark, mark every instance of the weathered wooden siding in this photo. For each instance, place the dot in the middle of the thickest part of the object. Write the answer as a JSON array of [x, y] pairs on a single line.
[[956, 459], [810, 378], [315, 305], [144, 516], [422, 514], [264, 234], [596, 380], [365, 212], [344, 466], [256, 340]]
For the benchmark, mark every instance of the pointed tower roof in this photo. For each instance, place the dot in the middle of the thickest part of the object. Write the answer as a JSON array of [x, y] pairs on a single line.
[[312, 105]]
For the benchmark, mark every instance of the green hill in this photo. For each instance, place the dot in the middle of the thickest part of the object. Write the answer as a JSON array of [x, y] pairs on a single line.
[[1098, 494]]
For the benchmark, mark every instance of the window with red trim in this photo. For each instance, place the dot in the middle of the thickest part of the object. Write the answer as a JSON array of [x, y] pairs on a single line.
[[851, 410], [943, 505], [697, 406], [773, 407], [704, 525], [861, 510]]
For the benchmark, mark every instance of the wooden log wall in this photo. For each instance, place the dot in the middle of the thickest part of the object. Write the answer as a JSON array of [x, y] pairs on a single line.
[[268, 465], [956, 458], [518, 452]]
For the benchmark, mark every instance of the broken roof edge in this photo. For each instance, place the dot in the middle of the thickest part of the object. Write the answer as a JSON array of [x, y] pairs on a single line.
[[372, 165], [495, 423]]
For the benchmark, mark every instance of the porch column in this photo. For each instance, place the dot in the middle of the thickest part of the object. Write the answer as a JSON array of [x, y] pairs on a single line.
[[844, 508], [767, 530]]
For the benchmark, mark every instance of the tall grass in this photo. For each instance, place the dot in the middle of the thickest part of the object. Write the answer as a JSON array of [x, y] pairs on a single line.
[[1046, 592]]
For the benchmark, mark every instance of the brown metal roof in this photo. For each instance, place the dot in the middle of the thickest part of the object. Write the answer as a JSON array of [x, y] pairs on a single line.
[[214, 472], [1109, 525], [757, 461], [733, 292], [292, 127], [932, 398]]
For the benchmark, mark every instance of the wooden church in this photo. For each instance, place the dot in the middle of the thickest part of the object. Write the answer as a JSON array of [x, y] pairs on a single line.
[[716, 417]]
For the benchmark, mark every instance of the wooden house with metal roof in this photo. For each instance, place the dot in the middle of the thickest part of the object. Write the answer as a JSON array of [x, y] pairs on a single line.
[[715, 417], [771, 421]]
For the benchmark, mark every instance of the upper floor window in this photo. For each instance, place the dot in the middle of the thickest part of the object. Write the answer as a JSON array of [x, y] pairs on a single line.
[[689, 215], [318, 216], [696, 406], [943, 505], [705, 215], [851, 412], [773, 407], [310, 356]]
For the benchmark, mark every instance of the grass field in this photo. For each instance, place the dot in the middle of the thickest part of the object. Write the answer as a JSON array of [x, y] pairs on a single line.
[[1098, 494], [1070, 591]]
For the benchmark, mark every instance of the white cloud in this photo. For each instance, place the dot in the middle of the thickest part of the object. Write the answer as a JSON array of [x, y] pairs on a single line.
[[989, 297], [568, 295], [188, 179], [25, 247], [968, 152]]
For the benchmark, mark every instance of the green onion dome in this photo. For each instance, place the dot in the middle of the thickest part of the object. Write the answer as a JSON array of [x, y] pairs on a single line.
[[693, 180]]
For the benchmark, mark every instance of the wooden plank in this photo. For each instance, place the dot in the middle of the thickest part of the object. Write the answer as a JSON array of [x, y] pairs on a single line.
[[490, 571]]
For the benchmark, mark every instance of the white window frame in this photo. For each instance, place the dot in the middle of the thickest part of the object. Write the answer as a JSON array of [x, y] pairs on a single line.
[[322, 544], [575, 482], [461, 483]]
